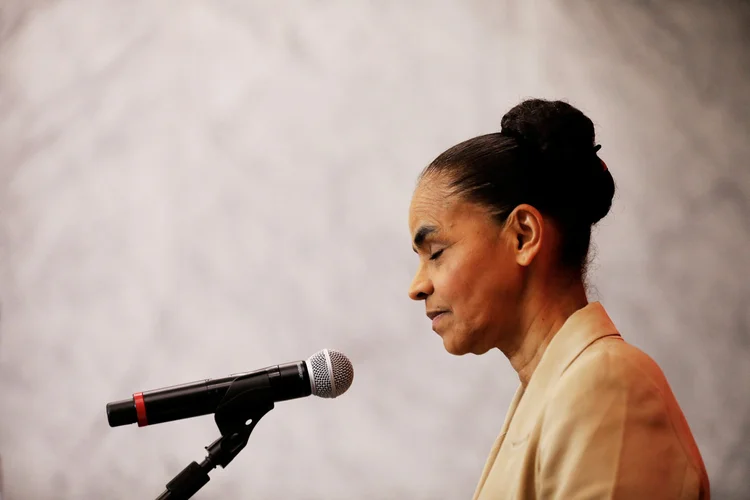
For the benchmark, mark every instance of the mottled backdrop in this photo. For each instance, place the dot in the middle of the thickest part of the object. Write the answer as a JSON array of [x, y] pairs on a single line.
[[194, 188]]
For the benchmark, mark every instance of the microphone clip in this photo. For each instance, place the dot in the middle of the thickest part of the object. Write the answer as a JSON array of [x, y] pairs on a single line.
[[246, 401]]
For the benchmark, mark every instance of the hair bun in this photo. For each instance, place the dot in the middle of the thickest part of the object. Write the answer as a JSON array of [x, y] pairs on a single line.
[[559, 140]]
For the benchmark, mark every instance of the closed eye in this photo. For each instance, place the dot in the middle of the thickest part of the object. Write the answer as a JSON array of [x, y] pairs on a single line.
[[436, 255]]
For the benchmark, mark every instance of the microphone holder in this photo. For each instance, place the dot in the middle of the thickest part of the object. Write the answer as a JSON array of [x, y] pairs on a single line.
[[244, 404]]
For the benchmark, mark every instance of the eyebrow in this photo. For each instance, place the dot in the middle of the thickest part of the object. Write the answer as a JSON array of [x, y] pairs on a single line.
[[422, 234]]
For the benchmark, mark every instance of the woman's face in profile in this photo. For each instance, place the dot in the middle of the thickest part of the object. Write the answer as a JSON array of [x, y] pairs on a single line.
[[467, 274]]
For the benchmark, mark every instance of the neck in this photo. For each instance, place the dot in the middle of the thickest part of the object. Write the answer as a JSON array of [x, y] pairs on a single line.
[[546, 314]]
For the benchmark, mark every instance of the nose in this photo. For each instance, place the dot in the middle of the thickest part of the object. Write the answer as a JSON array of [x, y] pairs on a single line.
[[421, 286]]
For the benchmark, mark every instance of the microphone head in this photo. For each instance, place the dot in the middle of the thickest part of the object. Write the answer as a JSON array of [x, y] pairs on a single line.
[[331, 373]]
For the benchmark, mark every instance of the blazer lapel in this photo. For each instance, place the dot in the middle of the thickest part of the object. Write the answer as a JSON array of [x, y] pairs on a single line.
[[580, 330], [499, 441]]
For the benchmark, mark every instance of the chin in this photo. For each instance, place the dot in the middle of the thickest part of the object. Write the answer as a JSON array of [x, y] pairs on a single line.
[[459, 345]]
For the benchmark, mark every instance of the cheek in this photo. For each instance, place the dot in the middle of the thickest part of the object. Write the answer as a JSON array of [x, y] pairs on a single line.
[[478, 288], [453, 282]]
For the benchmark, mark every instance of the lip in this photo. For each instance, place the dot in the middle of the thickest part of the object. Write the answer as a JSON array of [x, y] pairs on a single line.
[[434, 314]]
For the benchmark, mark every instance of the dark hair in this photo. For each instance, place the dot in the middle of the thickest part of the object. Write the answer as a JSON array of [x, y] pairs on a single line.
[[544, 155]]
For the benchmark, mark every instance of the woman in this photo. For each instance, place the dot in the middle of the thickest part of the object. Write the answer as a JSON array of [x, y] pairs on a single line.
[[502, 225]]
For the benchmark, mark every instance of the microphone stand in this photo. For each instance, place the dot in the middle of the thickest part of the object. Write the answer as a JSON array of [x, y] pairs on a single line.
[[244, 404]]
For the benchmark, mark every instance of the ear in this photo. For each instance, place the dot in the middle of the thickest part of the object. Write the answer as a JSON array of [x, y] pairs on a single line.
[[526, 226]]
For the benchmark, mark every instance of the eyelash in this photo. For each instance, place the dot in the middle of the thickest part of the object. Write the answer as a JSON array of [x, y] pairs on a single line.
[[436, 255]]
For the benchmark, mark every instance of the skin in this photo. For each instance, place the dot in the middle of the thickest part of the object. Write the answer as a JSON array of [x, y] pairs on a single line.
[[498, 285]]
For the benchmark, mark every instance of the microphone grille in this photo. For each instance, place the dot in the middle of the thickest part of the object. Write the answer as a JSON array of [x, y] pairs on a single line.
[[331, 373]]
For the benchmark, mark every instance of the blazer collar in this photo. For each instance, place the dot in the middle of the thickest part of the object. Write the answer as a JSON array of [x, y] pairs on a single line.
[[579, 331]]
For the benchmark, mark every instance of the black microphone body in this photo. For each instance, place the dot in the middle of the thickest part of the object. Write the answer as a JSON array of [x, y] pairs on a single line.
[[287, 381]]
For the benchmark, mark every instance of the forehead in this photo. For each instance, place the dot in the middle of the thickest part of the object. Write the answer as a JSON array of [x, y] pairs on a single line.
[[431, 200], [434, 204]]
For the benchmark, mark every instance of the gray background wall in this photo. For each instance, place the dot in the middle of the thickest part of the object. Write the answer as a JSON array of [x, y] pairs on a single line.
[[196, 188]]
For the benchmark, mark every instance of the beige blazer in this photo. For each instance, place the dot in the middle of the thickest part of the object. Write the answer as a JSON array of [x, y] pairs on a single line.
[[597, 420]]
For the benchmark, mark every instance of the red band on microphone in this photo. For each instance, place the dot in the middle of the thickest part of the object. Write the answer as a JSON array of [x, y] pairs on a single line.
[[140, 409]]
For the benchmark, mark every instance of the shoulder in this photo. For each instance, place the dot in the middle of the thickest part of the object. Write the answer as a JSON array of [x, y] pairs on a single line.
[[611, 391], [616, 381], [611, 364]]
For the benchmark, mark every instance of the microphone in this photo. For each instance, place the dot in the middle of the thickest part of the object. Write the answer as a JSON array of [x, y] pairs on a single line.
[[326, 374]]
